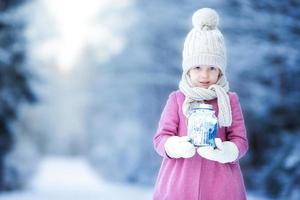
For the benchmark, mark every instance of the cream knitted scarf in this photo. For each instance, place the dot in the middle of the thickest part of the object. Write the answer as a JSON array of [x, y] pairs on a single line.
[[218, 90]]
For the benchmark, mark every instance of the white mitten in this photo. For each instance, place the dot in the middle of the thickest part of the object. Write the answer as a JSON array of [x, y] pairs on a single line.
[[179, 147], [224, 153]]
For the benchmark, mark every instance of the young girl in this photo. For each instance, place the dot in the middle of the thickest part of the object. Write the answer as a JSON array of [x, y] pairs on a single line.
[[203, 173]]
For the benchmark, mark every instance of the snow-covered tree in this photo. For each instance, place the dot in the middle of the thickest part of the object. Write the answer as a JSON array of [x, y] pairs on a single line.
[[268, 66], [14, 86]]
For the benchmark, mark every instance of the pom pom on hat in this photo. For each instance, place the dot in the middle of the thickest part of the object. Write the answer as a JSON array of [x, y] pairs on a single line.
[[205, 19]]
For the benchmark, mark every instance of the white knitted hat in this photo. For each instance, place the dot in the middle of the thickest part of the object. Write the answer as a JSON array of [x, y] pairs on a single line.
[[204, 44]]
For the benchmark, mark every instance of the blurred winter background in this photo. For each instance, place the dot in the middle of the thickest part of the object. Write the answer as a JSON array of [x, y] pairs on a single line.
[[83, 83]]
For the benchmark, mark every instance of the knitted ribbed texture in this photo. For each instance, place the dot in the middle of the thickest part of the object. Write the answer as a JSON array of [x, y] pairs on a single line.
[[218, 90]]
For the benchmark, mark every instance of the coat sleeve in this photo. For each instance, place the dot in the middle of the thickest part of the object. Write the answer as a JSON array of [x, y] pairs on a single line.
[[237, 133], [168, 125]]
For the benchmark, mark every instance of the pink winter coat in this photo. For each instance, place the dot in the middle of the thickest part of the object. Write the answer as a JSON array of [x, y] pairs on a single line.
[[197, 178]]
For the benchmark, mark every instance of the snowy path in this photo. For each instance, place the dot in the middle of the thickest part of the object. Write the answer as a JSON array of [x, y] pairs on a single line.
[[73, 179], [61, 178]]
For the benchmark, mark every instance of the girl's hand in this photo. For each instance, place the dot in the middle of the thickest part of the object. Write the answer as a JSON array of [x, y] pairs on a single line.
[[179, 147], [224, 153]]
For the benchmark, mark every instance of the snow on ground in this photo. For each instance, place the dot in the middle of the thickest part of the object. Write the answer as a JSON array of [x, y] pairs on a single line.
[[74, 179], [61, 178]]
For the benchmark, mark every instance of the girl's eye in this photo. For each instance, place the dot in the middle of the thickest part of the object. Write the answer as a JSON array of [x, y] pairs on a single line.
[[212, 68], [197, 68]]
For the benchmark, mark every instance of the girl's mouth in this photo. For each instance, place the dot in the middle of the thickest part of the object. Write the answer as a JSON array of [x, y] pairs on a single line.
[[204, 83]]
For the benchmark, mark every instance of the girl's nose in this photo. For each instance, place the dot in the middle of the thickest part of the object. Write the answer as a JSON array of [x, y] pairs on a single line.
[[204, 74]]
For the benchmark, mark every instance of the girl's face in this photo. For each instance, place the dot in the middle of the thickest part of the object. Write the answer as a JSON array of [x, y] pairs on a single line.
[[204, 75]]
